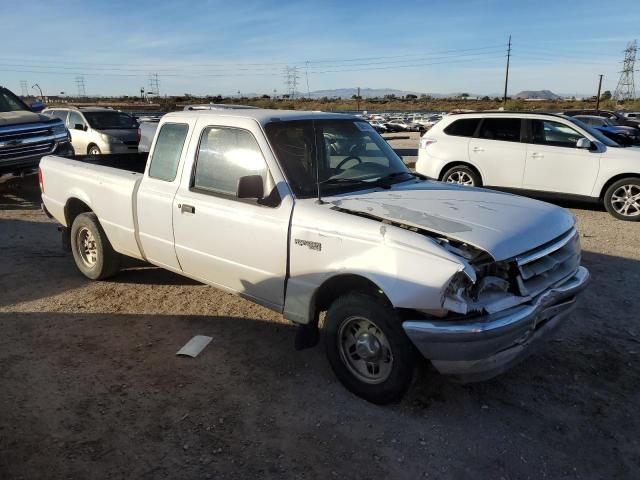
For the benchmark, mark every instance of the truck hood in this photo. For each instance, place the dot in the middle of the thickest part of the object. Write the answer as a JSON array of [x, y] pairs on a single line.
[[24, 116], [501, 224]]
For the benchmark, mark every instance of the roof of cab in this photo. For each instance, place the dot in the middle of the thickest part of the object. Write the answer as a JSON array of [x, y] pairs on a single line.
[[262, 116]]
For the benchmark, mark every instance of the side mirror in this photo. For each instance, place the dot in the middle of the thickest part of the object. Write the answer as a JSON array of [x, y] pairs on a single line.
[[78, 126], [583, 143], [250, 186], [37, 106]]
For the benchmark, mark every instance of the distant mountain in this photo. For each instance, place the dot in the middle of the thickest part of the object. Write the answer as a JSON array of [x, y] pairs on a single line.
[[537, 95]]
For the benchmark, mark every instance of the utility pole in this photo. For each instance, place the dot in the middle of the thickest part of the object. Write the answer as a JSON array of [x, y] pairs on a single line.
[[306, 73], [506, 78], [598, 98], [25, 88], [358, 98], [154, 84]]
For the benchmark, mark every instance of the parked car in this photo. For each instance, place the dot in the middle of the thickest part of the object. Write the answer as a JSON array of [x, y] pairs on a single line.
[[310, 213], [97, 130], [534, 152], [617, 116], [398, 126], [632, 115], [26, 135], [625, 136], [378, 126]]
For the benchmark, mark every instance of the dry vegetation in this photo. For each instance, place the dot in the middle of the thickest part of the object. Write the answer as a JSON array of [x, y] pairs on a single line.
[[420, 104]]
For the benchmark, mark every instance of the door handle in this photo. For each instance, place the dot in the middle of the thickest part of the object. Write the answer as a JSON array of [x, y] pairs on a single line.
[[478, 149], [184, 208], [537, 155]]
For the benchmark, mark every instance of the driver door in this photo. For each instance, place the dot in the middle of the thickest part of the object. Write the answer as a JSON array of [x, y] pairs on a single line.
[[554, 164], [77, 129]]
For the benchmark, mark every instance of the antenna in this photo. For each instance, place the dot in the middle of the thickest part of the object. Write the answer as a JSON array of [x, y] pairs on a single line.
[[317, 161]]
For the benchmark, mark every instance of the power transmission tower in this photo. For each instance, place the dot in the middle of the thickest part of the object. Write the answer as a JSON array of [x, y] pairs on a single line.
[[154, 84], [291, 77], [24, 86], [506, 77], [626, 89], [82, 91]]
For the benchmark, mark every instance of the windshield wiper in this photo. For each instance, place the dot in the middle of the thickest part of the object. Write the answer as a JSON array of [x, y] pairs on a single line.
[[393, 175]]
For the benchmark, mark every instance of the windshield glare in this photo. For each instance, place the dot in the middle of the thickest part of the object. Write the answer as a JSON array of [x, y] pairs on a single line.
[[110, 120], [596, 133], [350, 154], [10, 103]]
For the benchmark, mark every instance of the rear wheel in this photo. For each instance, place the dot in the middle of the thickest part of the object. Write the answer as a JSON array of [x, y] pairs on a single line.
[[92, 251], [622, 199], [367, 348], [462, 175]]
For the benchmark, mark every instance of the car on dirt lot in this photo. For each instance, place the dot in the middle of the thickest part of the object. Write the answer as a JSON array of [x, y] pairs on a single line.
[[26, 135], [536, 153], [314, 216], [97, 130]]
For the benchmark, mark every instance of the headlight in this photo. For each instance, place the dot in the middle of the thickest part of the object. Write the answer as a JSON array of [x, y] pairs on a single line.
[[59, 130]]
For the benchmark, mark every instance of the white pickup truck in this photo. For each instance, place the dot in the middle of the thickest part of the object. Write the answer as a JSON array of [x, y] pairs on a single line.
[[313, 215]]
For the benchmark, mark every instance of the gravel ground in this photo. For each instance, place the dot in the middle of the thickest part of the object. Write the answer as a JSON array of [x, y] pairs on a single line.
[[91, 386]]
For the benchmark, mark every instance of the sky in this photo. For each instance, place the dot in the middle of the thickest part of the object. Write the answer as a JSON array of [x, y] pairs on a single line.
[[225, 47]]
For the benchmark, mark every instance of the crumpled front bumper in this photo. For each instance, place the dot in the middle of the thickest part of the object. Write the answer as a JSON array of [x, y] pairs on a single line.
[[482, 347]]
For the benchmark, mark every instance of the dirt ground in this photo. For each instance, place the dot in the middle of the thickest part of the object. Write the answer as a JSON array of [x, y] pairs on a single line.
[[91, 386]]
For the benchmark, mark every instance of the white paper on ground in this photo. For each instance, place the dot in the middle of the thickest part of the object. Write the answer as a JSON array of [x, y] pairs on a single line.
[[195, 346]]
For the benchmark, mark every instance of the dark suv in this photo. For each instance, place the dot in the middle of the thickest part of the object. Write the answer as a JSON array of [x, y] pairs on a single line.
[[618, 117], [26, 135]]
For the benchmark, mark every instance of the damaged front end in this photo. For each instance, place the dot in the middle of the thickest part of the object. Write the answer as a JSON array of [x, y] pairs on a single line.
[[493, 312]]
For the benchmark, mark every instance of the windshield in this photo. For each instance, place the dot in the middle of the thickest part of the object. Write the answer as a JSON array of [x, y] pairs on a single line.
[[351, 156], [595, 132], [110, 120], [10, 103]]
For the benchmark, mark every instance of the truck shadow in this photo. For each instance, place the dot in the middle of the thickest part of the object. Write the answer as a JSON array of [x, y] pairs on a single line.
[[19, 193]]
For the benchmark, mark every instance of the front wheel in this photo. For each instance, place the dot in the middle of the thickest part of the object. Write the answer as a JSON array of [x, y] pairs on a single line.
[[622, 199], [367, 348], [462, 175], [94, 150]]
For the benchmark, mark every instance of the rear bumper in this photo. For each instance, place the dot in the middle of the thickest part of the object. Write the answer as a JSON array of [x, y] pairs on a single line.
[[485, 346]]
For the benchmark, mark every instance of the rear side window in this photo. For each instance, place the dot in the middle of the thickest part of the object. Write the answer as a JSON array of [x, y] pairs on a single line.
[[225, 155], [61, 114], [464, 127], [504, 129], [75, 119], [167, 150]]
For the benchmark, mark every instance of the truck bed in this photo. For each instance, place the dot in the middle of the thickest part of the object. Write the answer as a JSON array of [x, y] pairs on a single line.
[[133, 162], [106, 184]]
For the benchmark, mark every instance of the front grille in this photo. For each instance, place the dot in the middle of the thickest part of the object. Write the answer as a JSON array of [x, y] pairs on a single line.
[[26, 140], [548, 265]]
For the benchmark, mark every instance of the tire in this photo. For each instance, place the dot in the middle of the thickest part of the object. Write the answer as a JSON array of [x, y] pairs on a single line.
[[93, 150], [92, 251], [622, 199], [374, 321], [462, 175]]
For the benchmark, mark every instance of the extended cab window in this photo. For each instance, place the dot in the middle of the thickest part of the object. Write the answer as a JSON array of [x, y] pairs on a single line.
[[464, 127], [555, 134], [167, 150], [505, 129], [225, 155]]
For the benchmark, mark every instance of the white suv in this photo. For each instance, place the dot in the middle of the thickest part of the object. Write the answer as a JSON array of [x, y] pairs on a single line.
[[537, 152]]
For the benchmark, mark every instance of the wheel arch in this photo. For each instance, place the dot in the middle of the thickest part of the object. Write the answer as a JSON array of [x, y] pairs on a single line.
[[333, 288], [73, 208], [92, 144], [613, 180]]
